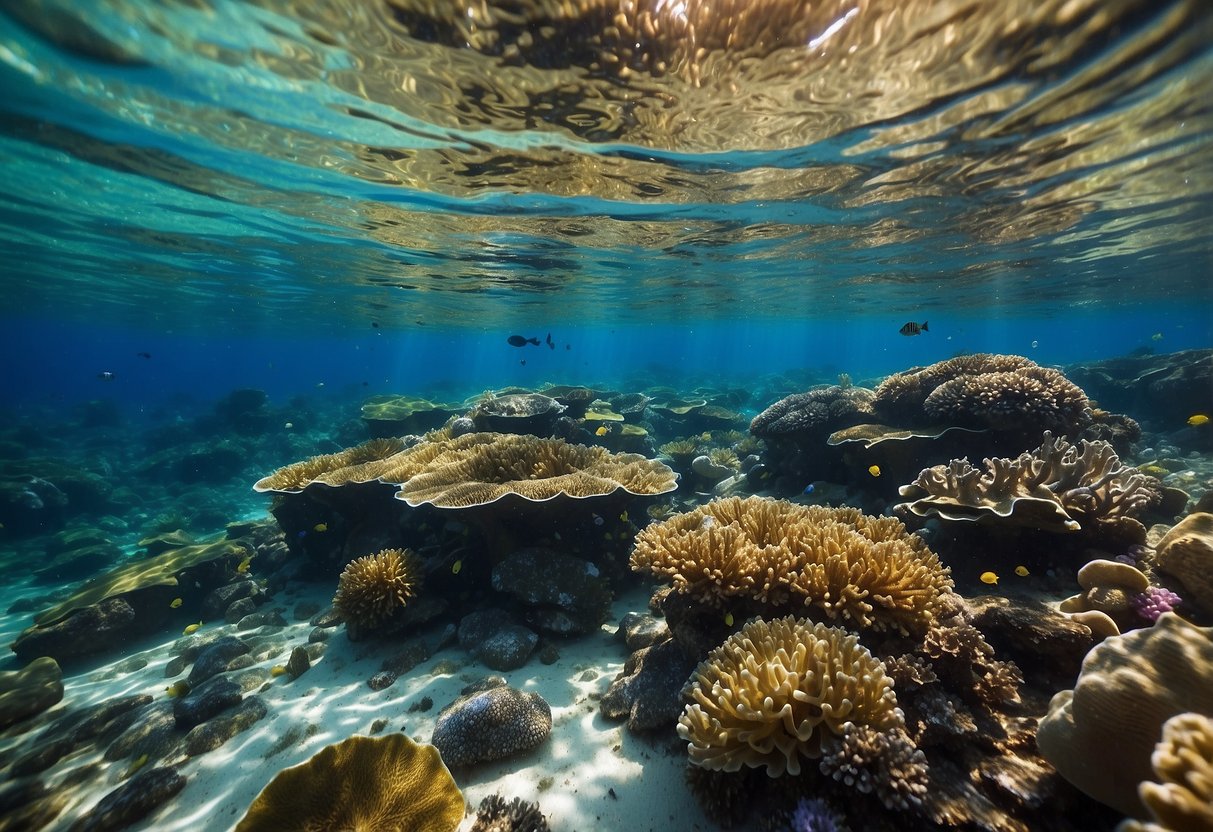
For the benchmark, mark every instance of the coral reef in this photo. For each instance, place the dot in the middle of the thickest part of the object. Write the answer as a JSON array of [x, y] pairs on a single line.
[[495, 814], [517, 413], [1186, 553], [1059, 487], [292, 479], [776, 692], [491, 721], [1100, 735], [1182, 798], [374, 588], [863, 569], [394, 415], [1109, 587], [816, 412], [387, 782], [885, 762]]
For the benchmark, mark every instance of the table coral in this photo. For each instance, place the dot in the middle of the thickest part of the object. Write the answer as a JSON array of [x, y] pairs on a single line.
[[776, 692], [291, 479], [846, 564]]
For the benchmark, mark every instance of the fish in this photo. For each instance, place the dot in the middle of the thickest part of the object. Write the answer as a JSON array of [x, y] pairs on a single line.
[[522, 341], [808, 489], [603, 430], [874, 470], [911, 328], [243, 566], [1022, 571], [456, 566], [551, 344], [144, 354], [989, 578], [1198, 419], [1035, 344], [288, 425], [191, 629], [728, 619], [178, 689], [278, 670], [320, 527], [523, 362], [624, 517], [374, 324], [1157, 336], [138, 763], [106, 375], [176, 602]]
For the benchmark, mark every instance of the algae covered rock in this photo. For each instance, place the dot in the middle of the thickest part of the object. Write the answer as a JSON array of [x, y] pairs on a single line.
[[491, 724], [29, 691]]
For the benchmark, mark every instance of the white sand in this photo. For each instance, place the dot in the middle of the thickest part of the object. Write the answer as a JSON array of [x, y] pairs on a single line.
[[570, 774]]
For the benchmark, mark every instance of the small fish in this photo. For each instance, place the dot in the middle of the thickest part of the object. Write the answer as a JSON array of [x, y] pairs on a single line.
[[523, 362], [808, 489], [138, 763], [1157, 336], [176, 602], [456, 566], [551, 344], [728, 619], [319, 384], [278, 670], [177, 689], [191, 629], [288, 425], [874, 470], [320, 527], [911, 328], [521, 341], [598, 521], [1035, 344], [243, 566], [374, 324], [624, 517], [106, 375], [989, 578], [144, 354], [1022, 571], [603, 430], [1198, 419]]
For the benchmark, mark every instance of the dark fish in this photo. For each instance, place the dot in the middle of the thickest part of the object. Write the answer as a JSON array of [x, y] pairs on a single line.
[[375, 324], [912, 328], [105, 376], [144, 354], [550, 342], [568, 346], [523, 362], [519, 341]]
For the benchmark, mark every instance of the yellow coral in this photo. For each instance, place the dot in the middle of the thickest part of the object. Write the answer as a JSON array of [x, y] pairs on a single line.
[[291, 479], [372, 589], [1182, 800], [776, 692], [847, 564]]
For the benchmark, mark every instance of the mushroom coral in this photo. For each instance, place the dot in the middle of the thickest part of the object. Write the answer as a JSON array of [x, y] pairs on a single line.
[[846, 564], [1100, 735], [383, 784], [776, 692], [1182, 799], [372, 589], [1058, 487]]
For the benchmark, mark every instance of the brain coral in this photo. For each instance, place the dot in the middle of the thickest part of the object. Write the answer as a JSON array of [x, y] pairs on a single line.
[[386, 783], [1004, 392], [1183, 764], [1100, 735], [372, 589], [844, 563], [1059, 487], [823, 410], [779, 691], [491, 724]]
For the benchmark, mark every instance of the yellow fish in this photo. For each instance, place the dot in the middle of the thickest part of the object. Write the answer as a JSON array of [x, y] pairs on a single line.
[[1022, 571], [603, 430], [320, 527], [243, 566], [191, 629], [278, 670], [728, 619], [874, 470], [176, 602], [137, 764], [177, 689], [1198, 419], [989, 578], [624, 517], [456, 566]]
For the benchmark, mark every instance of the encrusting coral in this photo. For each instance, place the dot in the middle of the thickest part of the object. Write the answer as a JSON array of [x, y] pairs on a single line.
[[373, 588], [1182, 799], [381, 783], [848, 565], [776, 692], [1059, 487]]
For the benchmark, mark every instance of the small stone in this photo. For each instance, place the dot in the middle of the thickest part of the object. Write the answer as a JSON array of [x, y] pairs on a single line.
[[43, 756], [132, 801], [642, 630], [491, 724], [326, 618], [299, 662], [214, 658], [422, 705], [29, 691], [210, 735], [220, 599], [508, 648], [648, 691], [319, 635], [475, 627], [548, 654], [381, 680], [152, 733], [270, 618], [211, 698], [239, 610], [378, 725]]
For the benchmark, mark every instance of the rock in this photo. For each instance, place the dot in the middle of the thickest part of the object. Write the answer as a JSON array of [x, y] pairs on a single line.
[[381, 680], [214, 658], [132, 801], [305, 610], [648, 691], [642, 630], [261, 619], [153, 733], [508, 648], [491, 724], [549, 654], [326, 618], [29, 691], [210, 698], [319, 635], [477, 626], [1032, 635], [97, 628], [43, 756], [703, 466], [238, 610], [551, 581], [220, 598], [299, 662], [105, 718], [214, 733]]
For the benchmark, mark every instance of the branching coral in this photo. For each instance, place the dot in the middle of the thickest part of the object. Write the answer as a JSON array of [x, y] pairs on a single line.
[[884, 762], [374, 588], [1059, 487], [1182, 799], [776, 692], [840, 561], [497, 815]]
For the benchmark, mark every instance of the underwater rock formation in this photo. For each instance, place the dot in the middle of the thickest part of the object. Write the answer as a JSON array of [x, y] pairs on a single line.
[[491, 721], [29, 691]]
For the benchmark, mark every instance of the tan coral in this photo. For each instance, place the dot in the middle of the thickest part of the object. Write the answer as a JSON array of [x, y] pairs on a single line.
[[1182, 798], [481, 468], [368, 783], [1100, 735], [885, 762], [372, 589], [1186, 552], [777, 692], [1108, 587], [850, 566], [291, 479]]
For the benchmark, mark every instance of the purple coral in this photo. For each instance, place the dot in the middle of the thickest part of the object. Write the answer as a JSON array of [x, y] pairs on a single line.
[[813, 815], [1154, 602]]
